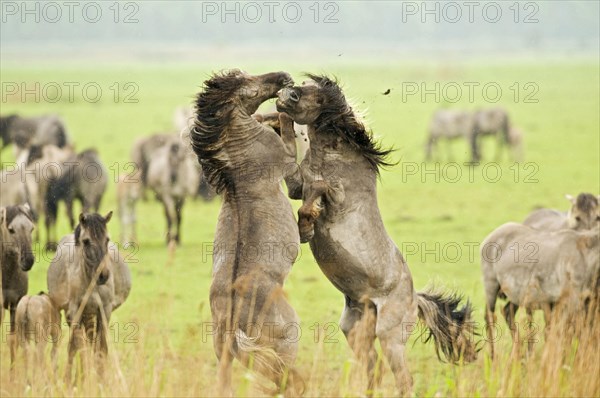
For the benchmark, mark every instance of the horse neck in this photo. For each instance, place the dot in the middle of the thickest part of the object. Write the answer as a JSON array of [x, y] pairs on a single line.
[[349, 163], [247, 158], [81, 267], [242, 131]]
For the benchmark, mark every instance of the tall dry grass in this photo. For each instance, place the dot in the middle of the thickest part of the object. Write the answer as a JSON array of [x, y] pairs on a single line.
[[565, 363]]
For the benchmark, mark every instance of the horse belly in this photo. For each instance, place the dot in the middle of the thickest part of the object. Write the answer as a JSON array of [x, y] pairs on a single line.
[[354, 264]]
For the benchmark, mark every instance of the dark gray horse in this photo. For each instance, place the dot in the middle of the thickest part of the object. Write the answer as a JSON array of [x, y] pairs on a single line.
[[27, 131], [83, 177], [340, 218], [16, 258]]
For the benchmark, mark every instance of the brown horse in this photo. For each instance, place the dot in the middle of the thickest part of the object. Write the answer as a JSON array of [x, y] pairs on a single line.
[[340, 219], [246, 161]]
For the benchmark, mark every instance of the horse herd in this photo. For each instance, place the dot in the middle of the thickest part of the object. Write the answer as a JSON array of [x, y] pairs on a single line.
[[245, 157]]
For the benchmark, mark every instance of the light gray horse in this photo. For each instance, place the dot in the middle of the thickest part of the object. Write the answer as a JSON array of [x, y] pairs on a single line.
[[448, 125], [172, 176], [88, 279], [27, 131], [340, 219], [534, 269], [16, 259], [38, 321], [247, 162], [583, 214], [129, 192]]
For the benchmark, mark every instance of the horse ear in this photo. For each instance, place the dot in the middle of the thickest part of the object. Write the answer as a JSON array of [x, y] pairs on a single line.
[[570, 198], [81, 219], [108, 217]]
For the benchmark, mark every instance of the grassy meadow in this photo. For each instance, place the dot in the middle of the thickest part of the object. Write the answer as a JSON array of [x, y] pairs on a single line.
[[159, 344]]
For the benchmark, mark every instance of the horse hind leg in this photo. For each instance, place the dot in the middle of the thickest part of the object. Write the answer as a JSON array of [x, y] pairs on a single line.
[[395, 320], [358, 325]]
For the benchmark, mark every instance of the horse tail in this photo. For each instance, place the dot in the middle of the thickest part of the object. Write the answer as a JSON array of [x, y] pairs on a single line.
[[270, 361], [448, 325]]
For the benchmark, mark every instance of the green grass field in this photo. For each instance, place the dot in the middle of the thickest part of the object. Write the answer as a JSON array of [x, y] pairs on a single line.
[[159, 338]]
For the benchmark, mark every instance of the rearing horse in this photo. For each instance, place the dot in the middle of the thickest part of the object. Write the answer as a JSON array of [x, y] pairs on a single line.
[[340, 219], [256, 240]]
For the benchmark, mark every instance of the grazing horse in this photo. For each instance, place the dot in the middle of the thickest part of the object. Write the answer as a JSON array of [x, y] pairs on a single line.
[[340, 218], [173, 175], [584, 214], [16, 258], [27, 131], [38, 320], [246, 161], [88, 279], [450, 125], [491, 122], [534, 269]]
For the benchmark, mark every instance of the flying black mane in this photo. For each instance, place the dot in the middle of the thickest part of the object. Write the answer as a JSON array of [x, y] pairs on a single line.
[[213, 114], [338, 116]]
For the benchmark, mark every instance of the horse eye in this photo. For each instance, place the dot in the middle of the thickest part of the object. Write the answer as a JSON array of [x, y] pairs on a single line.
[[11, 230], [577, 218], [86, 241]]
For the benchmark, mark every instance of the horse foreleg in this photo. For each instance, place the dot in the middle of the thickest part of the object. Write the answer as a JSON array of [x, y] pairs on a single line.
[[530, 340], [12, 339], [319, 193], [292, 173], [69, 207], [178, 214], [76, 341], [509, 311], [171, 216]]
